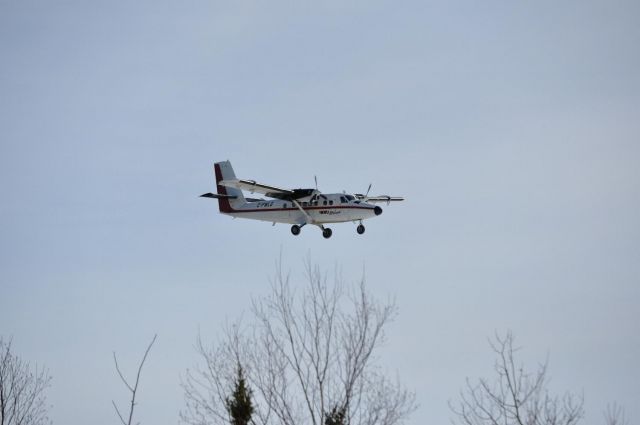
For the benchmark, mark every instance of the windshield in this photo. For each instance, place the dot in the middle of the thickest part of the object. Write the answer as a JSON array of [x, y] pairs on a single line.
[[350, 197]]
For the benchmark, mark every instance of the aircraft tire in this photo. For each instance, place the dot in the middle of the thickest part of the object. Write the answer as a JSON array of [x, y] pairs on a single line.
[[295, 230], [360, 229], [326, 233]]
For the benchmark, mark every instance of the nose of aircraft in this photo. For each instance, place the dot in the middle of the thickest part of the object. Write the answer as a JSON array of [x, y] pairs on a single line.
[[377, 210]]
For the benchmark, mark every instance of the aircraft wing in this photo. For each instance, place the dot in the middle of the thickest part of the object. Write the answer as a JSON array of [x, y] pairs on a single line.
[[253, 186], [381, 198]]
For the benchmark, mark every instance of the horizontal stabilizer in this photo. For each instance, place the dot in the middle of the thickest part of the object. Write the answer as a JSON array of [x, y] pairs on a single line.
[[217, 196]]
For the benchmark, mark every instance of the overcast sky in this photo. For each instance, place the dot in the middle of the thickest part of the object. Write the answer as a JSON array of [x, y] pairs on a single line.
[[512, 128]]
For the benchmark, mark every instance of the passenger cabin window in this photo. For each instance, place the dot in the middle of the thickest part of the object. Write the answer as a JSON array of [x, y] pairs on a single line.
[[330, 202], [343, 199], [324, 203]]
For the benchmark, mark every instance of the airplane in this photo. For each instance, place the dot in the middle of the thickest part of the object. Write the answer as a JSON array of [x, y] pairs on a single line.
[[297, 207]]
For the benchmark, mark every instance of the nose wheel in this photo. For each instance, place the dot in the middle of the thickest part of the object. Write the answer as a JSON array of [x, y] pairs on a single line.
[[295, 230], [326, 232], [360, 229]]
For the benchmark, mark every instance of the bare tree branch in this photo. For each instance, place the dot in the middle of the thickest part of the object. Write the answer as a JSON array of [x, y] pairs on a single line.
[[22, 389], [516, 396], [132, 389], [308, 356], [615, 415]]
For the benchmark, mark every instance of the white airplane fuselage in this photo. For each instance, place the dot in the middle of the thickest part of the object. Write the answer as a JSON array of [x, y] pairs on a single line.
[[327, 208]]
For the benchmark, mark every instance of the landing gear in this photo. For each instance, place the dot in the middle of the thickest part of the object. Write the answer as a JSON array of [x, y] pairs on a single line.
[[360, 229], [326, 232], [295, 229]]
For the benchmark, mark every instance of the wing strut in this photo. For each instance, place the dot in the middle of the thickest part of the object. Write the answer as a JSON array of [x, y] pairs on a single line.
[[309, 219]]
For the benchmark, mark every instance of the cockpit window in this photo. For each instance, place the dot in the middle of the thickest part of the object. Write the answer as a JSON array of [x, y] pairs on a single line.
[[350, 197]]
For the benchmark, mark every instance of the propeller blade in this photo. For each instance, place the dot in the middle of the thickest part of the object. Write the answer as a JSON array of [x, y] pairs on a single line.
[[368, 190]]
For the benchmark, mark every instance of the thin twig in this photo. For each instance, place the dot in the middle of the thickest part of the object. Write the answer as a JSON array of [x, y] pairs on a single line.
[[133, 389]]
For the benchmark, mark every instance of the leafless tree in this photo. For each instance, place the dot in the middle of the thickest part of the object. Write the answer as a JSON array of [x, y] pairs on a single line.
[[132, 389], [516, 397], [309, 359], [22, 390]]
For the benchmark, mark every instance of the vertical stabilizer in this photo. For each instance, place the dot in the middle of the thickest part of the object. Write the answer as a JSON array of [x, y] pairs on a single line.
[[224, 171]]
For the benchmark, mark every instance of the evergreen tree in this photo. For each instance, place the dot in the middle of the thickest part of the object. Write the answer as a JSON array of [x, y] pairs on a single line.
[[337, 416], [239, 405]]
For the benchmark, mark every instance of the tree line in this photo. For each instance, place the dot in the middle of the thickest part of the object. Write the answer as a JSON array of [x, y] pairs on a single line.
[[306, 356]]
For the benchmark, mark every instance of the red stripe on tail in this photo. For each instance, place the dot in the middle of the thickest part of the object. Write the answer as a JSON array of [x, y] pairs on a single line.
[[223, 203]]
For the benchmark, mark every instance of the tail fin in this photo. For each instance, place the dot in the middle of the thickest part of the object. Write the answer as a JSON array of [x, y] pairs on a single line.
[[234, 197]]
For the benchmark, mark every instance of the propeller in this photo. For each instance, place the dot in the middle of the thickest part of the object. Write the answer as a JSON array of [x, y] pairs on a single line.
[[318, 194], [364, 197]]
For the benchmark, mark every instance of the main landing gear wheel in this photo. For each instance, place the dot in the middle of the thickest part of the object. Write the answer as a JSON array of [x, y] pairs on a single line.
[[360, 229], [327, 233], [295, 229]]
